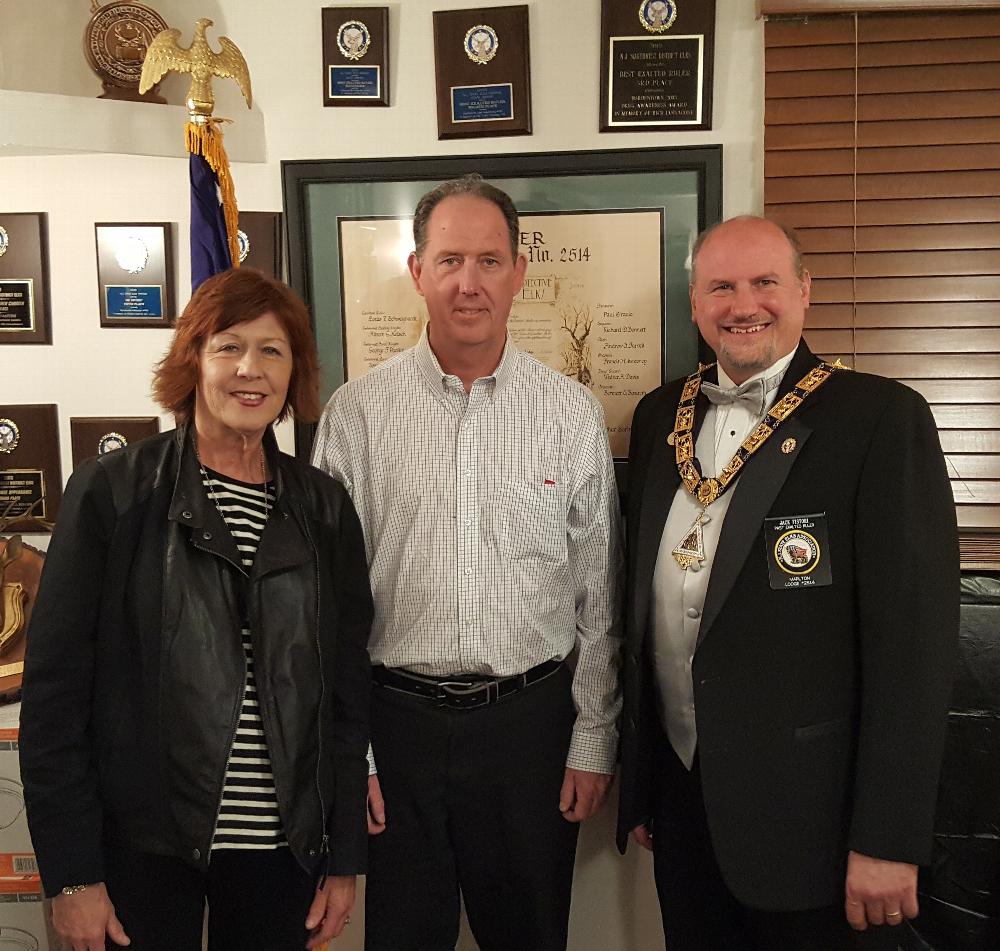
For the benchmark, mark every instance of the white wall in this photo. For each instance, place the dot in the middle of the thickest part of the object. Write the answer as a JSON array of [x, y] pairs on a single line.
[[89, 371]]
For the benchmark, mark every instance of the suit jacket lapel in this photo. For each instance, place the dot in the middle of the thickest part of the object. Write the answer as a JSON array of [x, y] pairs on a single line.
[[753, 495]]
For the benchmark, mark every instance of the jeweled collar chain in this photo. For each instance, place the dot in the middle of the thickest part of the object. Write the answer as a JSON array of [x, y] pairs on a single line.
[[691, 548], [707, 490]]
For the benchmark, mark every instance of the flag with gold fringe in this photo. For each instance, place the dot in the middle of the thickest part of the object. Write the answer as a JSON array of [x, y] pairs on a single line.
[[214, 215]]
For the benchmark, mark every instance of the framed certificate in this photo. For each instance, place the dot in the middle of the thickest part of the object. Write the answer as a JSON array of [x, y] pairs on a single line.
[[607, 236]]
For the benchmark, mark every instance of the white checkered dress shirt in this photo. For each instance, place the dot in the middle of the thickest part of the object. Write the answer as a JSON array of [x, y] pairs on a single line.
[[491, 522]]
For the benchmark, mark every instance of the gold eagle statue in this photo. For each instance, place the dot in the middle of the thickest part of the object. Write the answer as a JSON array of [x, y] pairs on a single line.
[[165, 55]]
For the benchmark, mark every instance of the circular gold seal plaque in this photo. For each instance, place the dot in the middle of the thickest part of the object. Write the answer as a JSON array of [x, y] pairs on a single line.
[[115, 41]]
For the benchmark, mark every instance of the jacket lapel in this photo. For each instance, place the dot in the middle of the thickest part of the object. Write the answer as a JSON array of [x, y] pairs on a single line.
[[753, 495]]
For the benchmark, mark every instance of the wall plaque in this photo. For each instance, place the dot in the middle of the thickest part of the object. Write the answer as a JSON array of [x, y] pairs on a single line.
[[483, 72], [30, 472], [135, 274], [97, 435], [260, 241], [24, 279], [355, 56], [656, 65]]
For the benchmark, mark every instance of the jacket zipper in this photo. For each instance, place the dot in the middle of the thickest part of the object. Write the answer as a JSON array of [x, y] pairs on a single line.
[[325, 841]]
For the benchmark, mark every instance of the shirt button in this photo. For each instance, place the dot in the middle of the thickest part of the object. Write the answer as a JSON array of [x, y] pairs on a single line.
[[468, 571], [468, 521], [468, 472], [694, 566], [693, 612]]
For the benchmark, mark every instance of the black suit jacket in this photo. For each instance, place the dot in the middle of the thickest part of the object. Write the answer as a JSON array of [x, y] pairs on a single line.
[[821, 711]]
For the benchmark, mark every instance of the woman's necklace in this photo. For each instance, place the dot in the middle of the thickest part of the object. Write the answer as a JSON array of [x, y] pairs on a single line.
[[207, 482]]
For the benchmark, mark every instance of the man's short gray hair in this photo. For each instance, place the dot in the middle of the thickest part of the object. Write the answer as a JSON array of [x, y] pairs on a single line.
[[472, 184]]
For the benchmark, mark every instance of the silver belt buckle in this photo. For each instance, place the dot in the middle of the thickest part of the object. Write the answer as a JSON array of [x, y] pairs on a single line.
[[458, 689]]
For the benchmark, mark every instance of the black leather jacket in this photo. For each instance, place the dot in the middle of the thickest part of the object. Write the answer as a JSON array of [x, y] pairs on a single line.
[[134, 671]]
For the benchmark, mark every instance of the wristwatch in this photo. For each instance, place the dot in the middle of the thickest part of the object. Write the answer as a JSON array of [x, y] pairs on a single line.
[[73, 889]]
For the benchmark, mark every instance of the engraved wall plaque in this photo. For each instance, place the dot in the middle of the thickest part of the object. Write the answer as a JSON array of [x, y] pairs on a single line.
[[656, 65], [483, 72], [24, 279], [260, 241], [96, 435], [355, 56], [30, 471], [135, 274]]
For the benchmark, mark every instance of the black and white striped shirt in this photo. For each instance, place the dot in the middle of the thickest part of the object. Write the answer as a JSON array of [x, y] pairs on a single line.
[[248, 814]]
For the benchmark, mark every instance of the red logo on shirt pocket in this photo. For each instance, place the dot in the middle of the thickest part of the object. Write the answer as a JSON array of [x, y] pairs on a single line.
[[548, 482]]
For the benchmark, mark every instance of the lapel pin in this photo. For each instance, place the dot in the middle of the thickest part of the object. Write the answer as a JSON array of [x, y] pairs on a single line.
[[788, 446]]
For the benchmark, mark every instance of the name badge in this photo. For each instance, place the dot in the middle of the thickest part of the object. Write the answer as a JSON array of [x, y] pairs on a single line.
[[798, 551]]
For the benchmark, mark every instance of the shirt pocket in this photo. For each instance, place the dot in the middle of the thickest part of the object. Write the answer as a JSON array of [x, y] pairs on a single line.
[[526, 519]]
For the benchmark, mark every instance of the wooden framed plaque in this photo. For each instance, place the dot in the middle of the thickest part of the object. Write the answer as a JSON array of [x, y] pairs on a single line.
[[355, 56], [24, 279], [656, 65], [98, 435], [483, 69], [135, 274], [30, 472], [260, 241]]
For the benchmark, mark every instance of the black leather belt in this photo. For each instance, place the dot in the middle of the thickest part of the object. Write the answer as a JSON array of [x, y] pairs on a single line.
[[463, 691]]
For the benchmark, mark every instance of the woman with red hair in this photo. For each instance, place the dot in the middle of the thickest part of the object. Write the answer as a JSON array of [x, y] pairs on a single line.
[[195, 712]]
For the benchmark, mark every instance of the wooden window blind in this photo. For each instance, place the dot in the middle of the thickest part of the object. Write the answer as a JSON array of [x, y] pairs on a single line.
[[882, 150]]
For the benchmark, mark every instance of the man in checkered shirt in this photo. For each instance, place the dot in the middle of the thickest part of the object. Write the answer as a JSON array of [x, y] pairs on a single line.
[[486, 490]]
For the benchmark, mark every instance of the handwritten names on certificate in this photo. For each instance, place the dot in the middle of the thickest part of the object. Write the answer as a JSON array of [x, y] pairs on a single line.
[[591, 306]]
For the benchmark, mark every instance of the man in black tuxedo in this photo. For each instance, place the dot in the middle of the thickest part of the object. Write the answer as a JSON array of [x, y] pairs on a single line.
[[792, 613]]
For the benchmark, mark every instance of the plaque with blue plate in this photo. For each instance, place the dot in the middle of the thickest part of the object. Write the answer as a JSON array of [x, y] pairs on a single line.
[[24, 279], [483, 72], [355, 56], [656, 65], [135, 274]]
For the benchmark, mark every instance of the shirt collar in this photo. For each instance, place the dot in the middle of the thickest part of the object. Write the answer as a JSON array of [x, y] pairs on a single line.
[[439, 380]]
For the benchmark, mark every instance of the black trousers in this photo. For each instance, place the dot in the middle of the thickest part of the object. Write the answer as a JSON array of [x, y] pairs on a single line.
[[699, 911], [257, 901], [472, 807]]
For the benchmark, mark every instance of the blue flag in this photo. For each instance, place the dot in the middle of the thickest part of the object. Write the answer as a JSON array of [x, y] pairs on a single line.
[[209, 244]]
